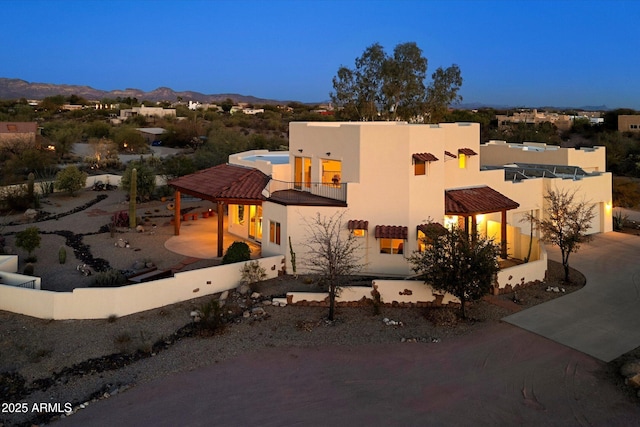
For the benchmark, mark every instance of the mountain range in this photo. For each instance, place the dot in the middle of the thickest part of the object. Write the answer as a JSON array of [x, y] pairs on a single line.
[[17, 88]]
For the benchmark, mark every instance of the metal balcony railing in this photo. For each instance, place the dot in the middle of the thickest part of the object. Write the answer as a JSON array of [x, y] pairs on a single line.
[[332, 191]]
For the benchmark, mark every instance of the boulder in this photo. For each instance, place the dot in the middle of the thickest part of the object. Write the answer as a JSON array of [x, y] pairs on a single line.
[[243, 289], [630, 368], [140, 229], [255, 295], [30, 213], [224, 295]]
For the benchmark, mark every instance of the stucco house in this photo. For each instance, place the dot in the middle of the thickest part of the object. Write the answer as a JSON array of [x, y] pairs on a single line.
[[24, 132], [391, 179]]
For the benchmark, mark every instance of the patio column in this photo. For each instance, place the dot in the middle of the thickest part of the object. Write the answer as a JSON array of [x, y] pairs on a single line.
[[176, 214], [474, 228], [220, 227], [503, 235]]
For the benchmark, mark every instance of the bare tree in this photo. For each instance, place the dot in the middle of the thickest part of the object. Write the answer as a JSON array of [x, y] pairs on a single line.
[[332, 252], [565, 223]]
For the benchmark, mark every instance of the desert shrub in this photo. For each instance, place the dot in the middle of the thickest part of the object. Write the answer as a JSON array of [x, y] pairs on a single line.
[[110, 278], [237, 252], [212, 318], [120, 219], [16, 198], [253, 272], [28, 269], [28, 239], [71, 179], [62, 255]]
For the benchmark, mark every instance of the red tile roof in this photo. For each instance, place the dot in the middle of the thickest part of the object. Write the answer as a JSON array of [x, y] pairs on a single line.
[[432, 229], [425, 157], [450, 154], [224, 182], [467, 152], [358, 224], [391, 232], [476, 200]]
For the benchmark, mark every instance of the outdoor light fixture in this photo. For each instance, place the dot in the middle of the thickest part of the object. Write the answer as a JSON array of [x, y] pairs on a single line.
[[328, 153], [300, 150]]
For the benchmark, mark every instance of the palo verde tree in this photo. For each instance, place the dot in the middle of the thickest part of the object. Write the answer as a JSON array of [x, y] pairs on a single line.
[[145, 179], [332, 252], [70, 179], [462, 265], [565, 223], [28, 239], [391, 87]]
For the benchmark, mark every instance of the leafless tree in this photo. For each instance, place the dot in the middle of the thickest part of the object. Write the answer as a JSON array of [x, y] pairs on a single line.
[[565, 223], [332, 252]]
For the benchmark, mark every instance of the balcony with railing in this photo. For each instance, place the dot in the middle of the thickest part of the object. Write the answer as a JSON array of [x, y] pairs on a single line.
[[307, 193]]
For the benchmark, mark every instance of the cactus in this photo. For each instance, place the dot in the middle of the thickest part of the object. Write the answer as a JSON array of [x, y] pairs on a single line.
[[62, 255], [30, 185], [293, 258], [133, 194]]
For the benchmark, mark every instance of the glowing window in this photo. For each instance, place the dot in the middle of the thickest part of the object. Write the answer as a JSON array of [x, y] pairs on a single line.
[[391, 246], [358, 232], [462, 160], [274, 232]]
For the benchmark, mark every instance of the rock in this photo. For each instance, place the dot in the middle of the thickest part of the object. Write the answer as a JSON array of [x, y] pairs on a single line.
[[243, 289], [224, 295], [138, 265], [634, 381], [140, 229], [246, 314], [258, 311], [630, 369], [121, 243], [149, 264], [255, 295], [267, 302], [30, 213], [385, 320]]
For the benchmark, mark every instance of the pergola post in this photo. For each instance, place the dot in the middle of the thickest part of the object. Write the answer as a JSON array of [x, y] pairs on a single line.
[[220, 207], [176, 214], [474, 228], [503, 235]]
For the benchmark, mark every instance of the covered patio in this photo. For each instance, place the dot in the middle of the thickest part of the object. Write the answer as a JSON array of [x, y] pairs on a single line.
[[223, 184]]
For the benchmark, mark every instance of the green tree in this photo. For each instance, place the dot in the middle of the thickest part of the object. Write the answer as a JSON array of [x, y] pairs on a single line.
[[28, 239], [176, 166], [129, 140], [145, 179], [462, 265], [443, 92], [565, 223], [393, 87], [70, 179], [332, 252], [64, 138]]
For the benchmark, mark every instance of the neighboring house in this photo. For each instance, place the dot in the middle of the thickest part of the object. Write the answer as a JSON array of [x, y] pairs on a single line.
[[629, 123], [18, 131], [147, 112], [151, 134], [390, 179], [562, 121]]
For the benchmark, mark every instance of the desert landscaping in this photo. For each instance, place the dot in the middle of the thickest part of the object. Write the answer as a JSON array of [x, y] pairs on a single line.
[[82, 361]]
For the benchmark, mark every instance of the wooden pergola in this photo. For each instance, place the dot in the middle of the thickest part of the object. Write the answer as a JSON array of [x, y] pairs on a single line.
[[469, 202], [223, 184]]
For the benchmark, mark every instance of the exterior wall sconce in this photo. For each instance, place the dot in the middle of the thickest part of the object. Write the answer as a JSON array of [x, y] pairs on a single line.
[[300, 150], [328, 153]]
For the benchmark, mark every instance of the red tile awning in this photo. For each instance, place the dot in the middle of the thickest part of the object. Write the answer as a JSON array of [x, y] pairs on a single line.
[[391, 232], [467, 152], [425, 157], [432, 229], [450, 154], [226, 182], [358, 224], [476, 200]]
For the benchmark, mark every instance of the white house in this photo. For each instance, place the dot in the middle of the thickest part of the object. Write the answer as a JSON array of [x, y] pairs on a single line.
[[390, 179]]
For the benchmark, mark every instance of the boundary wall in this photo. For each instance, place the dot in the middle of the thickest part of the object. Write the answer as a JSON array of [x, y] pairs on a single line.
[[100, 303]]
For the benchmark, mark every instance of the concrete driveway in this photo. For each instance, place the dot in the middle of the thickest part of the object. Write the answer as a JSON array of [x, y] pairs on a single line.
[[603, 318]]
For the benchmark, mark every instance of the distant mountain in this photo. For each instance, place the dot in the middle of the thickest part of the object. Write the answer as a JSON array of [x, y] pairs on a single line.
[[478, 105], [16, 88]]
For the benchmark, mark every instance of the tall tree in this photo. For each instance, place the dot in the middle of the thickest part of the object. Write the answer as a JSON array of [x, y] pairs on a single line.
[[404, 75], [462, 265], [443, 92], [565, 223], [332, 252]]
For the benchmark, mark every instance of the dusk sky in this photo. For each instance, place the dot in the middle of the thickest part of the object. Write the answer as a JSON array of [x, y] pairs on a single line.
[[510, 52]]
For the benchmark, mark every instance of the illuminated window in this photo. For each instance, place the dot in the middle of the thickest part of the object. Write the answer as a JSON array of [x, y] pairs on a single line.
[[331, 172], [358, 232], [419, 167], [422, 244], [239, 219], [391, 246], [274, 232], [462, 160]]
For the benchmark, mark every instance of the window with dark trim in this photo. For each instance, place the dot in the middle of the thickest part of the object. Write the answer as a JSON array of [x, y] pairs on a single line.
[[274, 232]]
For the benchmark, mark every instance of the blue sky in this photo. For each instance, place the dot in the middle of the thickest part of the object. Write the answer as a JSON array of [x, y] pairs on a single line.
[[510, 52]]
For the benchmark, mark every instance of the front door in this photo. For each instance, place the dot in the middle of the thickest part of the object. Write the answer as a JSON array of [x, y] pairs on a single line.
[[255, 222]]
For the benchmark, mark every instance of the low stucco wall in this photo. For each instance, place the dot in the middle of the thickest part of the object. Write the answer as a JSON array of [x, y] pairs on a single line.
[[100, 303]]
